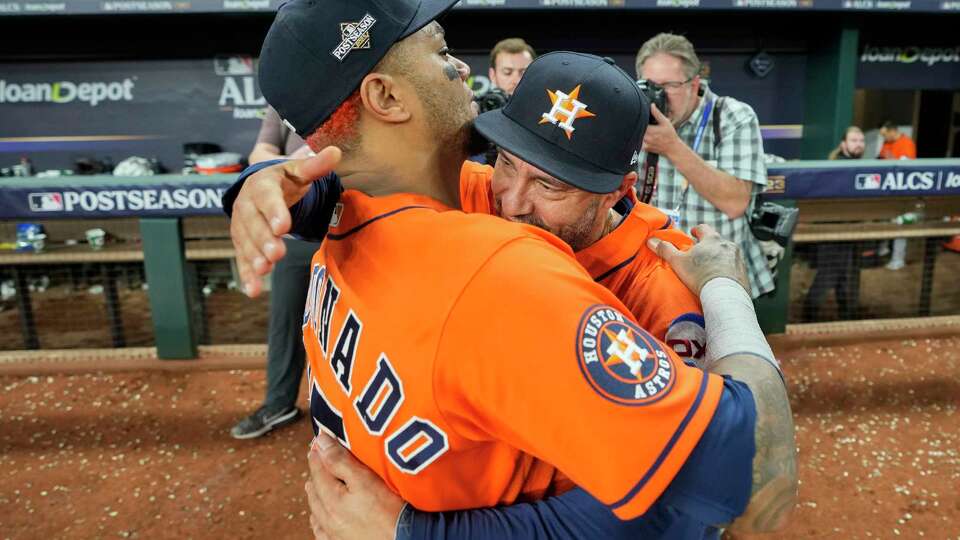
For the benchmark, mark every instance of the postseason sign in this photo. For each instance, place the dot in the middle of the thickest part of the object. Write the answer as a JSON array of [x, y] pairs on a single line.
[[76, 7], [109, 197], [867, 178]]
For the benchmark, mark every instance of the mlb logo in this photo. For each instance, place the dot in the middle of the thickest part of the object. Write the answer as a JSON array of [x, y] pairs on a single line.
[[233, 65], [868, 181], [46, 202]]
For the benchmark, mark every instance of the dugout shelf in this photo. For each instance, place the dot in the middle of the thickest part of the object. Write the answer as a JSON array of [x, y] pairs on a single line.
[[829, 220], [21, 264]]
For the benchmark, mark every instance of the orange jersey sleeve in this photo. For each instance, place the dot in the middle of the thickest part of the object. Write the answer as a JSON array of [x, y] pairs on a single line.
[[536, 354], [902, 148], [476, 196]]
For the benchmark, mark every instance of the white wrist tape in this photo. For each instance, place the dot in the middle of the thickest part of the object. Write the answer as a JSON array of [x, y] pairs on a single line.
[[731, 323]]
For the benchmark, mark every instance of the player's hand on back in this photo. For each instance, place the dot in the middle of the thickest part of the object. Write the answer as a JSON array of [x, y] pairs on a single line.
[[710, 257], [261, 214], [301, 153], [347, 500]]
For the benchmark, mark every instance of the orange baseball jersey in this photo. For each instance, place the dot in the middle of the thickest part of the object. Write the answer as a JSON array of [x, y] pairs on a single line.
[[902, 148], [622, 262], [471, 362]]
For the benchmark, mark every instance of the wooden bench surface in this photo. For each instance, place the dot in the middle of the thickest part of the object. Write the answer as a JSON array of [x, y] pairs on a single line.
[[80, 253], [875, 209], [206, 238], [126, 229], [208, 250], [196, 250], [851, 232]]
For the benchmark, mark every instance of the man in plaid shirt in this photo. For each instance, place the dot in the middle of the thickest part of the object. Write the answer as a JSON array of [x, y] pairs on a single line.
[[702, 179]]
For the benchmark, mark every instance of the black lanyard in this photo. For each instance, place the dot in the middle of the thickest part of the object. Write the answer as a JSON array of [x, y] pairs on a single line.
[[650, 164]]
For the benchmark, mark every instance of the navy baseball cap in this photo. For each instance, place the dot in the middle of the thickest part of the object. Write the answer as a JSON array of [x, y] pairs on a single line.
[[317, 52], [576, 116]]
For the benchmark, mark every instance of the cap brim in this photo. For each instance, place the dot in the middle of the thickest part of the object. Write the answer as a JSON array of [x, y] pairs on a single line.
[[521, 142], [428, 11]]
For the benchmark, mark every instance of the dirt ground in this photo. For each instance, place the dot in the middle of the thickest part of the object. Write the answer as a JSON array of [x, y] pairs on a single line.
[[148, 455]]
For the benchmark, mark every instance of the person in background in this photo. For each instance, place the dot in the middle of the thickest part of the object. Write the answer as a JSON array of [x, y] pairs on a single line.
[[834, 260], [509, 59], [896, 145], [288, 293], [508, 62], [954, 243], [852, 146], [712, 160]]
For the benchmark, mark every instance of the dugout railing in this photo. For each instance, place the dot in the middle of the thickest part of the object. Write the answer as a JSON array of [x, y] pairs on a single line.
[[176, 250], [167, 232], [866, 205]]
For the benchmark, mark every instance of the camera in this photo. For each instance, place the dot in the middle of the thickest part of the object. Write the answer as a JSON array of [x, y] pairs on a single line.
[[491, 100], [656, 95], [771, 221]]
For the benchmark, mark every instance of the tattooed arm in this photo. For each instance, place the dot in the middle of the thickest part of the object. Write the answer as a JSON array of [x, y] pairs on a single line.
[[736, 347], [774, 490]]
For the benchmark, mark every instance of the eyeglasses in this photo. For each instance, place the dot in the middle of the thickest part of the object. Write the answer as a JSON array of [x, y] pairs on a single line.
[[673, 86]]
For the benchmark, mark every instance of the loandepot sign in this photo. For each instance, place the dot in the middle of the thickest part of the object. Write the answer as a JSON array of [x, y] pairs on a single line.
[[929, 56], [91, 93]]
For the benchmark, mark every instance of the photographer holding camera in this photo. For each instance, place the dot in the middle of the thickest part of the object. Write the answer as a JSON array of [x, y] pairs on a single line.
[[509, 59], [711, 164]]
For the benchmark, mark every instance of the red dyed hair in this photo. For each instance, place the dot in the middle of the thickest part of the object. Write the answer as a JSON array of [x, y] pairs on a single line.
[[341, 128]]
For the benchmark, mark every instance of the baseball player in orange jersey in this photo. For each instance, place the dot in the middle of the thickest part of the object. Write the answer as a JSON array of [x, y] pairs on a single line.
[[619, 259], [426, 384], [406, 372]]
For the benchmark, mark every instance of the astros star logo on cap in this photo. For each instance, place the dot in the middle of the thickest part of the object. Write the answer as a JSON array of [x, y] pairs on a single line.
[[566, 108]]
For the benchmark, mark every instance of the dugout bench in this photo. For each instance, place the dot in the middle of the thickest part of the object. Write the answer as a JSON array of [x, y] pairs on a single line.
[[828, 220], [169, 223], [167, 243], [856, 201], [171, 244]]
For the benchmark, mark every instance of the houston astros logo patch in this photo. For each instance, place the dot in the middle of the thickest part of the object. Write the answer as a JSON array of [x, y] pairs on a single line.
[[622, 362], [565, 109]]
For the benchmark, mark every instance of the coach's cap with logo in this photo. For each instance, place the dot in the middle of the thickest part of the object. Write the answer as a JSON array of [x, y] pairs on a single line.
[[318, 51], [576, 116]]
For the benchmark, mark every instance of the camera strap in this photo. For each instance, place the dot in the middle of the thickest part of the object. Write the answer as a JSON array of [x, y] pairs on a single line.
[[649, 177], [651, 162]]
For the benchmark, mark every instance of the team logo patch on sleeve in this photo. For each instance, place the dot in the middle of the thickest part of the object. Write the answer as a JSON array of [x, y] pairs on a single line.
[[622, 362]]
